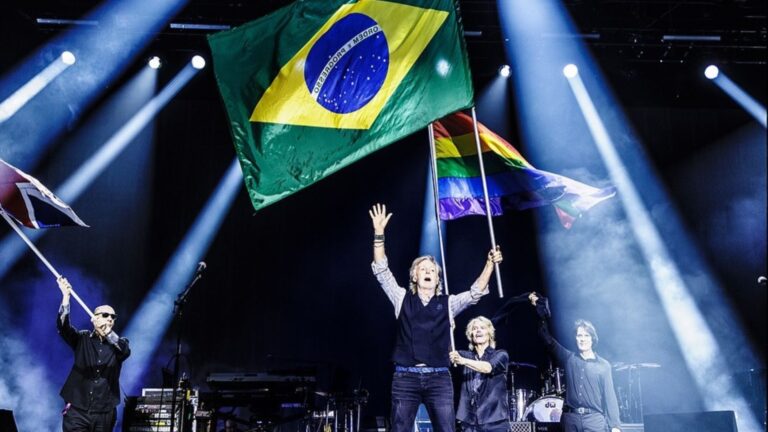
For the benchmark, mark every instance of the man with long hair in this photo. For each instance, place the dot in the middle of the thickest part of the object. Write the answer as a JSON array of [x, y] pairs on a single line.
[[590, 399], [483, 405]]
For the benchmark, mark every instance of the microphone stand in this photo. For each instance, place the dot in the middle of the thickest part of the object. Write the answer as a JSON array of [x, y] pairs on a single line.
[[178, 305]]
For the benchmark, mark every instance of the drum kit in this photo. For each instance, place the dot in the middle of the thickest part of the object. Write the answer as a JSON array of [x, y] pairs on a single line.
[[526, 404]]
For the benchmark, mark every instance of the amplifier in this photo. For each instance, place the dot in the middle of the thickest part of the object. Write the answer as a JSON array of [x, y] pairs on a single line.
[[631, 427], [152, 412], [522, 426]]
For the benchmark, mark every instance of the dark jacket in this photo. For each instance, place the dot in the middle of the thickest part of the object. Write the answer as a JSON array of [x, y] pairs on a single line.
[[93, 383], [484, 396]]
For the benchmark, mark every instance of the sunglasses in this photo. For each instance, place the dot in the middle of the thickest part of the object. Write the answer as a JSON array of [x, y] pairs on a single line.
[[107, 315]]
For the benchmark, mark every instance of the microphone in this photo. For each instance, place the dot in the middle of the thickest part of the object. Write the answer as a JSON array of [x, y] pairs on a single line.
[[181, 299], [200, 267], [112, 338], [762, 280]]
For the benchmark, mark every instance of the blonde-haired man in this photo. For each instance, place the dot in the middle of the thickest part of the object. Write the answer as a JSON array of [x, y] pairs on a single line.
[[483, 406], [423, 332]]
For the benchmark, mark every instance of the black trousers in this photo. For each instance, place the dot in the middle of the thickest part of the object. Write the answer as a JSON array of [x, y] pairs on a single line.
[[79, 420], [575, 422]]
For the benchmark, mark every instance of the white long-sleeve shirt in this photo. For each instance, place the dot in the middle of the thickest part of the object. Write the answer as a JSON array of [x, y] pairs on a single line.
[[395, 293]]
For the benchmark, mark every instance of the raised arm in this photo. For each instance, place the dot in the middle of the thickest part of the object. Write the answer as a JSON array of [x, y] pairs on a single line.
[[463, 300], [395, 293], [65, 329], [494, 257], [380, 218], [542, 308]]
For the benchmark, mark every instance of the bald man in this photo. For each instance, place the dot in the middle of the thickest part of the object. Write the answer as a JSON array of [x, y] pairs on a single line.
[[92, 389]]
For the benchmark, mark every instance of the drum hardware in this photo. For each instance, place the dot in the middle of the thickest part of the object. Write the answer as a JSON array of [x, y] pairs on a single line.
[[631, 396], [545, 409], [522, 398], [554, 381], [518, 397], [342, 412]]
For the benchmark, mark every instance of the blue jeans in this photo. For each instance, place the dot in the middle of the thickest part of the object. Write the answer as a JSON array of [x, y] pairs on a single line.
[[434, 390], [573, 422]]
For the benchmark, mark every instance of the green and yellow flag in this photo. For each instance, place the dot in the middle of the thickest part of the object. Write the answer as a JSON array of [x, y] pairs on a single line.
[[319, 84]]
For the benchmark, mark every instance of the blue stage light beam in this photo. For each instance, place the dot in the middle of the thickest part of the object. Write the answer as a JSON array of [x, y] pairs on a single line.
[[14, 248], [700, 347], [493, 106], [430, 240], [103, 52], [750, 105], [151, 320], [20, 97]]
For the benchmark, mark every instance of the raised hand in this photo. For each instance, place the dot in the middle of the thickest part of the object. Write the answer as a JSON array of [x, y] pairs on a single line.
[[495, 256], [533, 297], [65, 288], [379, 217]]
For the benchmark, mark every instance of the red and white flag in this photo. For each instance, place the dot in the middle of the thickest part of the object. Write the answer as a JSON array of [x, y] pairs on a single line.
[[25, 199]]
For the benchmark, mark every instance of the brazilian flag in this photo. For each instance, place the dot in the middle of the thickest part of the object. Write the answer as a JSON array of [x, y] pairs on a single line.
[[319, 84]]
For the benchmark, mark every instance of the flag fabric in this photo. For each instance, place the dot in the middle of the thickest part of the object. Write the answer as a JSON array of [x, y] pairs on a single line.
[[512, 181], [319, 84], [25, 199]]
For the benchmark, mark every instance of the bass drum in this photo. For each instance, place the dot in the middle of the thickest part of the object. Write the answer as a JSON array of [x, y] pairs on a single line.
[[546, 409]]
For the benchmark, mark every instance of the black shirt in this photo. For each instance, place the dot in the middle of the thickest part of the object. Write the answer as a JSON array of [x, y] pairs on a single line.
[[484, 396], [93, 383], [588, 383]]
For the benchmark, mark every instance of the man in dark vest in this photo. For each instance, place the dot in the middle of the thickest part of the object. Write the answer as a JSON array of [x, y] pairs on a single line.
[[424, 318], [92, 389]]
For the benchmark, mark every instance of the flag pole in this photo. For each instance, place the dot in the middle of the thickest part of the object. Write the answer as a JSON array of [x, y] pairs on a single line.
[[42, 258], [486, 198], [435, 199]]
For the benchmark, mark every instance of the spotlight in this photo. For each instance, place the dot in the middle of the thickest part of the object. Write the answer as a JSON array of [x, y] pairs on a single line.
[[68, 58], [711, 72], [198, 62], [570, 70], [154, 62], [504, 71]]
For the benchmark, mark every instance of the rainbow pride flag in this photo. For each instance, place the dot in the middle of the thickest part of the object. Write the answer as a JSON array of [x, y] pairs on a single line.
[[512, 181]]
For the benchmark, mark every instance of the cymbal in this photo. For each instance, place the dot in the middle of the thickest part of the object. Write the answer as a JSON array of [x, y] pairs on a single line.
[[619, 366], [519, 365]]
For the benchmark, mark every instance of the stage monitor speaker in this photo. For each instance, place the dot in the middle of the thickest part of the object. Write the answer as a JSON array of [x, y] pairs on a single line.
[[7, 423], [521, 426], [709, 421], [548, 427]]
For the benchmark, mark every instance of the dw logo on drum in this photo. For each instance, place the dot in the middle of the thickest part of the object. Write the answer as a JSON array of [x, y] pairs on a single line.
[[550, 404]]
